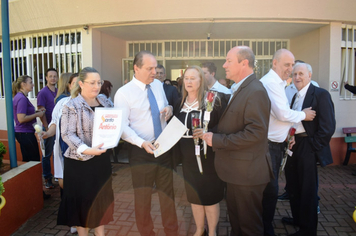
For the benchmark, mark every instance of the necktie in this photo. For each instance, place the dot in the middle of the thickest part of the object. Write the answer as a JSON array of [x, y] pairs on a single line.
[[296, 101], [154, 111]]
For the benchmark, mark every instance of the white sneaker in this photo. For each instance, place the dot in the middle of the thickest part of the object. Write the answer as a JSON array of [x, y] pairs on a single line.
[[73, 230]]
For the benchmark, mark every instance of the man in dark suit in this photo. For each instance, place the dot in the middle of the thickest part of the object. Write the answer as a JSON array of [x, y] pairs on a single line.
[[170, 91], [311, 145], [241, 146]]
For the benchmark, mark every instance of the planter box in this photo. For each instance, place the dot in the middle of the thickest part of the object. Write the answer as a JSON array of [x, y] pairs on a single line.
[[23, 194]]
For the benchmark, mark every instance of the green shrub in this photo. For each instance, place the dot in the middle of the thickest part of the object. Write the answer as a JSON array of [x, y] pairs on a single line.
[[2, 189], [2, 152]]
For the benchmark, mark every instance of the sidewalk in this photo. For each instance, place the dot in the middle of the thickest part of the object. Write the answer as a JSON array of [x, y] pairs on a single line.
[[337, 190]]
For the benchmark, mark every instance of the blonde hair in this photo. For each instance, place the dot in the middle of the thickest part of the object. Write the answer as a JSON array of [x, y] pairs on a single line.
[[16, 85], [81, 77], [63, 85], [202, 87]]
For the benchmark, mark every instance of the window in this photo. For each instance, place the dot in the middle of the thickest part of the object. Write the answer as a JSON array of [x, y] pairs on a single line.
[[40, 54], [348, 58]]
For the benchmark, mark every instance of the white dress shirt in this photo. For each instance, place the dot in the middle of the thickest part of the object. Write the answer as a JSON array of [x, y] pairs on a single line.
[[291, 90], [299, 126], [236, 86], [137, 119], [281, 117], [220, 88], [58, 159]]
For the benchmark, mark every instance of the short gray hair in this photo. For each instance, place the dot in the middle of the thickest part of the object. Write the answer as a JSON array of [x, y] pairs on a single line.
[[309, 68]]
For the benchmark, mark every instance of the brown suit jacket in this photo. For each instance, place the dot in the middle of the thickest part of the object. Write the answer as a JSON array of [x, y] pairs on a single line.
[[241, 144]]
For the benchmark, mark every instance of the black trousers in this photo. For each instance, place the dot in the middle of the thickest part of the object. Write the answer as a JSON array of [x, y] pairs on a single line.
[[270, 195], [301, 175], [147, 170], [29, 146]]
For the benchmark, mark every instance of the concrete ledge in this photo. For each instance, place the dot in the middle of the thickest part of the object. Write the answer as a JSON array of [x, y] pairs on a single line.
[[23, 194]]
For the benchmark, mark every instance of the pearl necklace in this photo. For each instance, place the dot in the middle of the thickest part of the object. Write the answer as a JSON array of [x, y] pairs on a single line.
[[188, 103]]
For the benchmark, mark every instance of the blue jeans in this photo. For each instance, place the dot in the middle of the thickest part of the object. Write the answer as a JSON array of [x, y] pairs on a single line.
[[46, 160]]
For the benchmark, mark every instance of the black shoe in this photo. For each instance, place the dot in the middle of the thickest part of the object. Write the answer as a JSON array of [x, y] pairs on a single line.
[[283, 197], [49, 183], [46, 196], [288, 221], [298, 233]]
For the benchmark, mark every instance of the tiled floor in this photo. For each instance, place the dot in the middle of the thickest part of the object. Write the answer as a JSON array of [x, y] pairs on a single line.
[[337, 190]]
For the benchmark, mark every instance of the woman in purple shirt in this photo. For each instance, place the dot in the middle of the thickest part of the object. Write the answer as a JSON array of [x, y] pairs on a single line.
[[25, 116]]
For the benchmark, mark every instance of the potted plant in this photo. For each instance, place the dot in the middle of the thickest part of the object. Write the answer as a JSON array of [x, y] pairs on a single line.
[[2, 199], [2, 152]]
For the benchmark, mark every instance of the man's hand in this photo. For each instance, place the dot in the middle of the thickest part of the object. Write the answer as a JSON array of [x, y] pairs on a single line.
[[148, 146], [168, 111], [208, 138], [309, 114]]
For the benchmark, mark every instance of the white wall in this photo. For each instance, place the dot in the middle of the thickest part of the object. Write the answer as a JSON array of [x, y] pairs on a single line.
[[112, 51], [34, 15], [3, 122], [306, 48]]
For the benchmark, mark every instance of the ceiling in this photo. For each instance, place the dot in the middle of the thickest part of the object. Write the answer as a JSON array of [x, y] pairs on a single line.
[[218, 30]]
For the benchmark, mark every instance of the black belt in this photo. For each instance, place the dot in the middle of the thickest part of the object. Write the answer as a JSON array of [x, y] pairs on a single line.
[[275, 143], [301, 135]]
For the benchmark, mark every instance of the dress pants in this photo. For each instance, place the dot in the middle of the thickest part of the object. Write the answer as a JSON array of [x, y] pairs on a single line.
[[28, 145], [301, 175], [147, 170], [270, 195], [244, 205]]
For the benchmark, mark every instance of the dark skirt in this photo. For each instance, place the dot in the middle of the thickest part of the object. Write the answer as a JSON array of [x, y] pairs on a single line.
[[88, 199]]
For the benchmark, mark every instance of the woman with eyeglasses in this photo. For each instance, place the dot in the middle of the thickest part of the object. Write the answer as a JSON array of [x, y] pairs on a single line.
[[25, 116], [87, 194]]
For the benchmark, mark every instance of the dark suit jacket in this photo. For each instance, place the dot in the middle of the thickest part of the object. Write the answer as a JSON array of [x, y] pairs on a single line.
[[321, 129], [171, 94], [241, 144]]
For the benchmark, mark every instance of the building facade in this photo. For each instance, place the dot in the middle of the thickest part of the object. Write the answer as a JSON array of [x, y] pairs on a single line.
[[70, 35]]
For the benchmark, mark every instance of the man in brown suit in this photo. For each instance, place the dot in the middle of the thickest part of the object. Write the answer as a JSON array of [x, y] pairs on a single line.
[[241, 147]]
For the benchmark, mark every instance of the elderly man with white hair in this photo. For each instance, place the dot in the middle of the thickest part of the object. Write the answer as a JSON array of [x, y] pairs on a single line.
[[311, 145]]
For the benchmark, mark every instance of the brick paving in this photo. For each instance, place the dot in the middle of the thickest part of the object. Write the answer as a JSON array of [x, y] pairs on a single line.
[[337, 191]]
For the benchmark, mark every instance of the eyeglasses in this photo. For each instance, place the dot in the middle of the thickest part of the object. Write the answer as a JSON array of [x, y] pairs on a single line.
[[92, 83]]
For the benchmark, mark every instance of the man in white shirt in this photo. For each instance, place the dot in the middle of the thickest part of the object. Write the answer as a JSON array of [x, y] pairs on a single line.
[[281, 119], [141, 101], [209, 70]]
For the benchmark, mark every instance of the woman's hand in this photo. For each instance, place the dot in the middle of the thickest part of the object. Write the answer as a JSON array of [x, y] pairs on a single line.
[[50, 132], [198, 133], [40, 112], [96, 151]]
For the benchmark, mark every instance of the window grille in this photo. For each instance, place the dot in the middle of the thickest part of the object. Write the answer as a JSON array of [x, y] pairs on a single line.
[[205, 50], [33, 54], [213, 49], [348, 54]]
